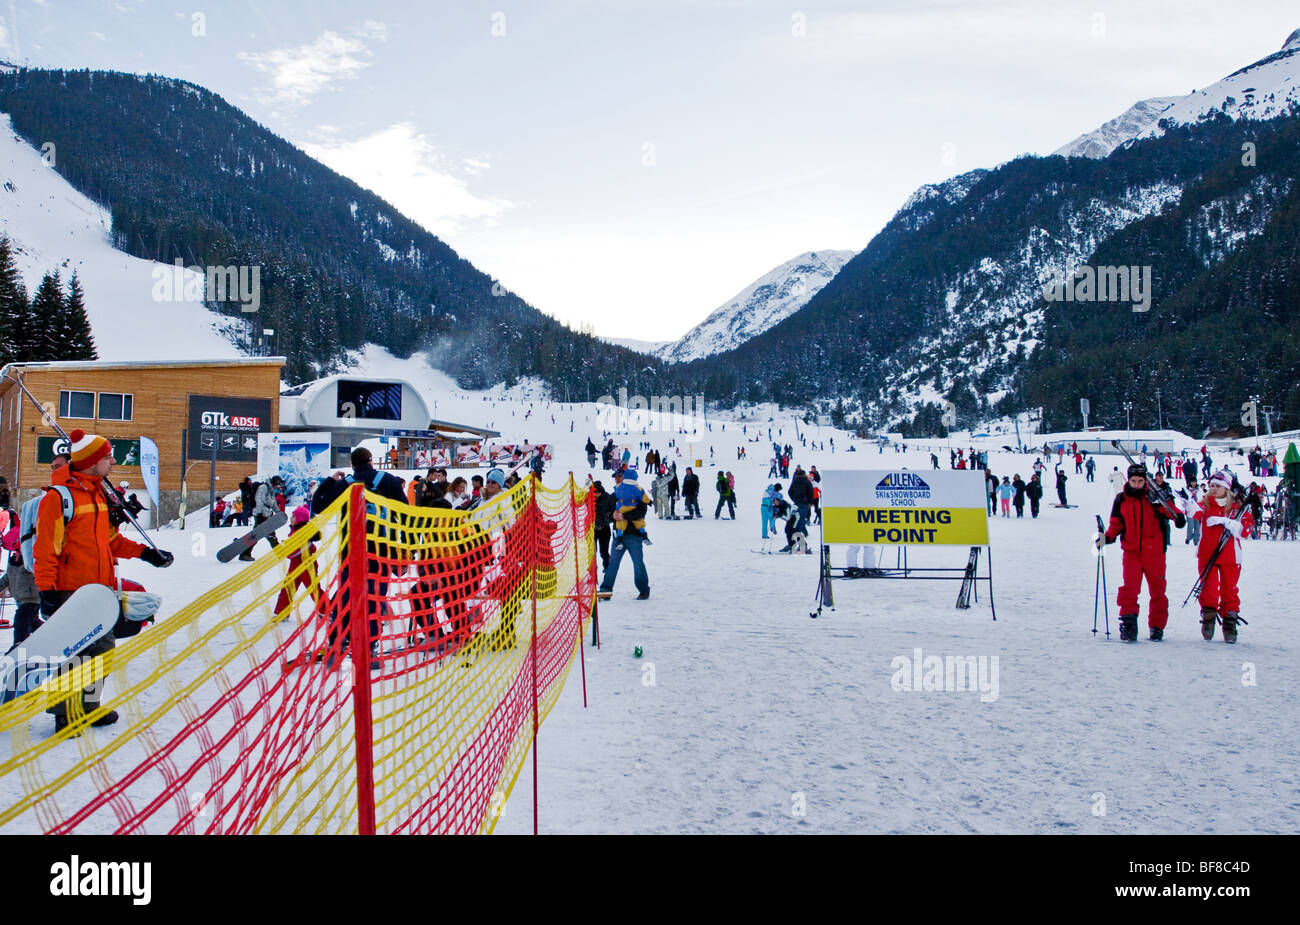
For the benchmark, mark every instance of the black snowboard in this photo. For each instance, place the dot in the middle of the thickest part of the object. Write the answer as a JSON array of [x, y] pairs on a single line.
[[251, 538]]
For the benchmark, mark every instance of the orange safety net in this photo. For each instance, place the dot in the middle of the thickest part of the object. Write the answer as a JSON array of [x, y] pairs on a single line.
[[249, 710]]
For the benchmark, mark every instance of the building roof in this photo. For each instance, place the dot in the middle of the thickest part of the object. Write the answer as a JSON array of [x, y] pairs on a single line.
[[144, 364]]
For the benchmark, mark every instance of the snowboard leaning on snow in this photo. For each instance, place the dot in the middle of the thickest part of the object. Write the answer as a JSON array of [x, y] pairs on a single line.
[[250, 539], [85, 617]]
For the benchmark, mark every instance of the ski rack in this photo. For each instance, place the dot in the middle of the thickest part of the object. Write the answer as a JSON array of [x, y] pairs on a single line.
[[968, 576]]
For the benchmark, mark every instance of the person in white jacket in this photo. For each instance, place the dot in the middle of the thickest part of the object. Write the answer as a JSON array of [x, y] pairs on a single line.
[[1117, 480], [1190, 497]]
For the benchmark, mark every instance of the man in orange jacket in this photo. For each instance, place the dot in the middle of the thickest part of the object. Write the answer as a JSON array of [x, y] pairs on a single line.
[[82, 550]]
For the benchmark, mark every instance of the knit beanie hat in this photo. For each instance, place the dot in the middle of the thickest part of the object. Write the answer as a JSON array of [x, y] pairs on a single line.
[[88, 449], [1221, 478]]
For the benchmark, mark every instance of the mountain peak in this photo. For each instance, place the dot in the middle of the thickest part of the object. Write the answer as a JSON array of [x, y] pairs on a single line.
[[1292, 40]]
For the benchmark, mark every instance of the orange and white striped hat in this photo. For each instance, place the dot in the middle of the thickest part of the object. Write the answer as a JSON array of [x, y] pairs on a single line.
[[88, 449]]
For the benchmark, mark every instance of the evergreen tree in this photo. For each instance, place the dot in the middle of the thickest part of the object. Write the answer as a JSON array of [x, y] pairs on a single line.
[[15, 320], [80, 342], [48, 334], [13, 305]]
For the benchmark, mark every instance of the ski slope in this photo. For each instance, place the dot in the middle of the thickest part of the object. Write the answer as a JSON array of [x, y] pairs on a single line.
[[744, 716]]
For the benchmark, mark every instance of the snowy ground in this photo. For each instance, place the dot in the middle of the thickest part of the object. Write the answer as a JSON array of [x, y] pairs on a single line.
[[744, 715]]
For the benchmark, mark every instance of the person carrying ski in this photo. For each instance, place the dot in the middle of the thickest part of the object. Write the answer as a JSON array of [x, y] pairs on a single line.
[[82, 550], [1138, 523], [1060, 485], [1221, 510]]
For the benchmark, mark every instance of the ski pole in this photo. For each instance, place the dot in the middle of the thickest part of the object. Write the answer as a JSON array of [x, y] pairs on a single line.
[[111, 494]]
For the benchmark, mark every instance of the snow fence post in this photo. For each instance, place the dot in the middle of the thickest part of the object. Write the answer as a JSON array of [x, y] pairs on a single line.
[[577, 580], [359, 630], [534, 513]]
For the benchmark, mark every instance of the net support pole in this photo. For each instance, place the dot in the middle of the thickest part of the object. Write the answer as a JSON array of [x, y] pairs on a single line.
[[533, 536], [359, 642], [577, 578]]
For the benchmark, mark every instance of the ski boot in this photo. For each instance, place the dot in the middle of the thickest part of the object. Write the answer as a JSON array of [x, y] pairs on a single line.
[[1230, 626], [1209, 617], [1128, 627], [1157, 633]]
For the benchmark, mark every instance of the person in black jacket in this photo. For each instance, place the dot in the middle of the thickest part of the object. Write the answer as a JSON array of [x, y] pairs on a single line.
[[1018, 499], [674, 488], [691, 492], [389, 486], [801, 496], [605, 505], [591, 454], [1035, 492], [1060, 487]]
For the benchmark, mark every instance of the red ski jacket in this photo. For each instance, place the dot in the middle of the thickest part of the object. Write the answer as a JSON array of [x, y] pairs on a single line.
[[1137, 522]]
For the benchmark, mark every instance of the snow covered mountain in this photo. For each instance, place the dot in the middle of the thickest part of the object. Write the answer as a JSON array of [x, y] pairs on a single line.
[[1129, 124], [768, 300], [53, 227], [1267, 88]]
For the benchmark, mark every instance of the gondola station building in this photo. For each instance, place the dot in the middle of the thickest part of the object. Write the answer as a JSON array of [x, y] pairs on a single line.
[[197, 412]]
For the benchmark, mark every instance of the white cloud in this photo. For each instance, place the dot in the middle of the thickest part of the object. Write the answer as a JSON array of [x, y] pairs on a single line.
[[407, 169], [298, 74]]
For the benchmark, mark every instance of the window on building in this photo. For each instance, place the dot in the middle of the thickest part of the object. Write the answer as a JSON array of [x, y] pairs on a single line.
[[372, 400], [77, 405], [114, 407]]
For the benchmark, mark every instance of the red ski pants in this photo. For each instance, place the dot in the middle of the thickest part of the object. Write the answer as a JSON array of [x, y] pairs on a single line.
[[1220, 588], [1151, 565]]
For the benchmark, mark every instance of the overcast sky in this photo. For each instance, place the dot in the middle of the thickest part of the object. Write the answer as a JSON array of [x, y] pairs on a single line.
[[631, 164]]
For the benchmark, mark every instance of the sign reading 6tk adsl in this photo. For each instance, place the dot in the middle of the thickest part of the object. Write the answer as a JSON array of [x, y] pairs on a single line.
[[905, 508]]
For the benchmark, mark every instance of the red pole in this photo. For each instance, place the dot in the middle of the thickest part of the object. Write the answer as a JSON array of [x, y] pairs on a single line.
[[577, 581], [359, 631], [534, 514]]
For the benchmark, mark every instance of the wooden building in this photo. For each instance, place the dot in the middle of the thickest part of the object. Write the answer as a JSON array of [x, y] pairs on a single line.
[[207, 409]]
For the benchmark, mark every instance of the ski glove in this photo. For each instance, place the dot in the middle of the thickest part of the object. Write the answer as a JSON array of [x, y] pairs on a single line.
[[52, 601], [158, 558]]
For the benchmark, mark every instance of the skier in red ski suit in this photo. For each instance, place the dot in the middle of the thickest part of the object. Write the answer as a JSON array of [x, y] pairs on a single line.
[[1219, 600], [1139, 525]]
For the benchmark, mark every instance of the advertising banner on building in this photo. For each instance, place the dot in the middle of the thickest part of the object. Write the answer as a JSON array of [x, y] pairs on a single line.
[[126, 452], [298, 458], [231, 425], [149, 467], [905, 508]]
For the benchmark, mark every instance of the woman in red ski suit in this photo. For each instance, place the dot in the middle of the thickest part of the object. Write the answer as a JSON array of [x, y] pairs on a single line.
[[1218, 512], [1139, 525]]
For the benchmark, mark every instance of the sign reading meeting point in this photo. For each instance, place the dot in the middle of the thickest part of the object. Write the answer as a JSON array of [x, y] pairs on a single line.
[[904, 508]]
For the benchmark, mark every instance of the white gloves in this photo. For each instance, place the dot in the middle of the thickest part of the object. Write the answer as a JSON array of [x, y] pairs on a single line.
[[1232, 526]]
